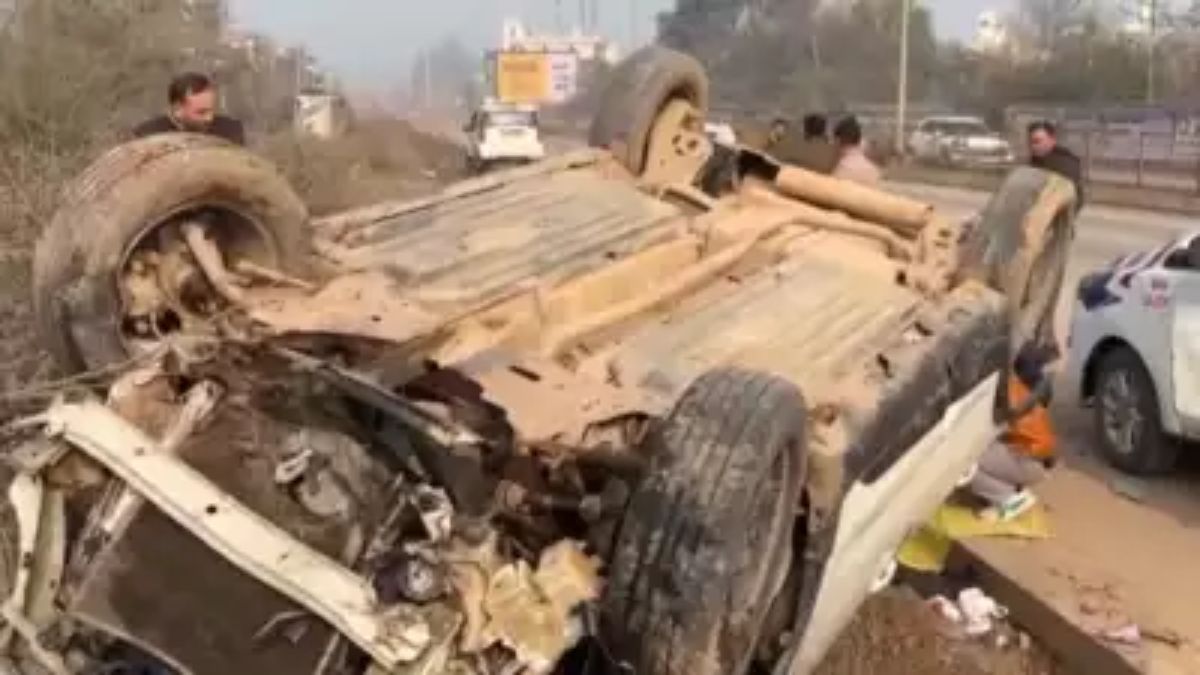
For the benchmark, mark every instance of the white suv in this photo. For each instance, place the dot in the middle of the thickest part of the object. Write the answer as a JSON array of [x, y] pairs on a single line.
[[1135, 354], [501, 133]]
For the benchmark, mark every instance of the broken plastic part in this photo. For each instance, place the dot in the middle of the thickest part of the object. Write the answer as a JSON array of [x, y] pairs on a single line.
[[242, 537], [531, 612]]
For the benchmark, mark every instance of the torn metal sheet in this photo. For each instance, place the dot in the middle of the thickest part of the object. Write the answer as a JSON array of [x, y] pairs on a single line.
[[244, 538]]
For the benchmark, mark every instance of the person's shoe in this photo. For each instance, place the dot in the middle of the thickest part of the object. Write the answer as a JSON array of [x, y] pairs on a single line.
[[1012, 508]]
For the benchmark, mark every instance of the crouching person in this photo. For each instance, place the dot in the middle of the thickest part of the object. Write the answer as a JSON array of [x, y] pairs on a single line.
[[1025, 452]]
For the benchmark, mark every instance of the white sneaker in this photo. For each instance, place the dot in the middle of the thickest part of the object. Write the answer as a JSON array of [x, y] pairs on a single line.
[[1011, 508]]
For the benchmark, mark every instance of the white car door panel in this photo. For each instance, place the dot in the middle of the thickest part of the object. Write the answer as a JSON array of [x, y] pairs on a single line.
[[1184, 299]]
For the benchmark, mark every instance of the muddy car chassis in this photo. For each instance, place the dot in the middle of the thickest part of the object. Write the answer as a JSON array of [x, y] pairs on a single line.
[[655, 407]]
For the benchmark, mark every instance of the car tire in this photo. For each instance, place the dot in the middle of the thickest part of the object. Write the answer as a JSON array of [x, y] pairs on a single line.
[[706, 543], [1019, 246], [635, 93], [1127, 416], [117, 201]]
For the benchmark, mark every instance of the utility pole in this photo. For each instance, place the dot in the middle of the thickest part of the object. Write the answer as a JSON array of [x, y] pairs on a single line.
[[1151, 48], [902, 79], [633, 31], [428, 80]]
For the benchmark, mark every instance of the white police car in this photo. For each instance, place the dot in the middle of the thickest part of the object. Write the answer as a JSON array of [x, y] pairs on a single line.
[[1135, 354]]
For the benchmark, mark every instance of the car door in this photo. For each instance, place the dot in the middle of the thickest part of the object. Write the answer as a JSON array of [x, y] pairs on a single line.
[[1181, 291]]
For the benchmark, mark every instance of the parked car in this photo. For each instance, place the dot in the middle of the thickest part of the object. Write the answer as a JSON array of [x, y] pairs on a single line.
[[647, 406], [503, 134], [959, 141], [1135, 354]]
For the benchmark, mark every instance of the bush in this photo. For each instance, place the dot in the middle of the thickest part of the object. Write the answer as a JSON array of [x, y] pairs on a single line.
[[76, 75], [377, 160]]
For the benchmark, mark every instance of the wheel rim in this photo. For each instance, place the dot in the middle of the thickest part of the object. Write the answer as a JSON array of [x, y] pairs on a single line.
[[1122, 422], [163, 292], [677, 146]]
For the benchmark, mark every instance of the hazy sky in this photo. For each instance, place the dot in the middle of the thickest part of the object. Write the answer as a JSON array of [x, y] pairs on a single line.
[[370, 42]]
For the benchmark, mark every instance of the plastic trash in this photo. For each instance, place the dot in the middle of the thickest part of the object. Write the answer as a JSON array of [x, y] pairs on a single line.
[[944, 606], [979, 611]]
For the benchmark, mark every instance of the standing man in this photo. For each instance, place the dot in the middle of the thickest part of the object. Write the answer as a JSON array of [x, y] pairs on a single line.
[[192, 107], [853, 163], [816, 153], [1045, 152], [777, 135]]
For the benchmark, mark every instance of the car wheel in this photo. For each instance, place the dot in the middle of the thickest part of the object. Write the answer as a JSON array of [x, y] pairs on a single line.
[[637, 94], [706, 543], [102, 260], [1019, 246], [1128, 420]]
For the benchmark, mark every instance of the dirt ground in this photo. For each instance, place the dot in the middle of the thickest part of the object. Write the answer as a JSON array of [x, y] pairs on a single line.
[[896, 633]]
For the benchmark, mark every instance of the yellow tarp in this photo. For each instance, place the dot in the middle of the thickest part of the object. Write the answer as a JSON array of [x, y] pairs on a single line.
[[927, 548]]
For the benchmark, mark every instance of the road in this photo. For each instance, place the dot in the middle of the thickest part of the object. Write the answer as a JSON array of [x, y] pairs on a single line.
[[1124, 549]]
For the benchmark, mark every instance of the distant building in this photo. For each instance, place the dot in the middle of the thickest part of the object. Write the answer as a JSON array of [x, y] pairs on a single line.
[[320, 114], [991, 34]]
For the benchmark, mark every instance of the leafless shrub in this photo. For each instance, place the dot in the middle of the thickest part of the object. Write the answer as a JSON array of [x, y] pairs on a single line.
[[75, 76], [378, 159]]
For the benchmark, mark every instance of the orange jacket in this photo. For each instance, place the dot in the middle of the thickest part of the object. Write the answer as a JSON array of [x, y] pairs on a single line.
[[1031, 434]]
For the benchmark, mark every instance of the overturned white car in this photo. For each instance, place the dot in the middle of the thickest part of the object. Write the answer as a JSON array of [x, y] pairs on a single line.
[[657, 406]]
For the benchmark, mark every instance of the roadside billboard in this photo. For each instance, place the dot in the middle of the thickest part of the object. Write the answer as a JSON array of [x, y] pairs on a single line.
[[522, 77], [536, 77], [564, 76]]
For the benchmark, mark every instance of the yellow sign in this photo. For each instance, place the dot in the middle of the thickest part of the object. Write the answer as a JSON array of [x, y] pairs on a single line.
[[522, 78]]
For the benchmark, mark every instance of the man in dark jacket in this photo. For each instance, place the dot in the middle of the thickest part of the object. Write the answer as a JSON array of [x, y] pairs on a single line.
[[1045, 152], [192, 107]]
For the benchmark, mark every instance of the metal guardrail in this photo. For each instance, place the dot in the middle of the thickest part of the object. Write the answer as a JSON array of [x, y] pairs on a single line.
[[1150, 160]]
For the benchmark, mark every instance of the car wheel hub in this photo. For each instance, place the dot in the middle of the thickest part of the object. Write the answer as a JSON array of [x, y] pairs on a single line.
[[1120, 413]]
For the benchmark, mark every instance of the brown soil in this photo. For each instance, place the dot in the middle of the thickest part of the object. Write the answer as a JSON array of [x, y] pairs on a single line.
[[895, 633]]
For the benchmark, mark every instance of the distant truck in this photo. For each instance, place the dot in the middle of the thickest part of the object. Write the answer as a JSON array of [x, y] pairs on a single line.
[[503, 134]]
